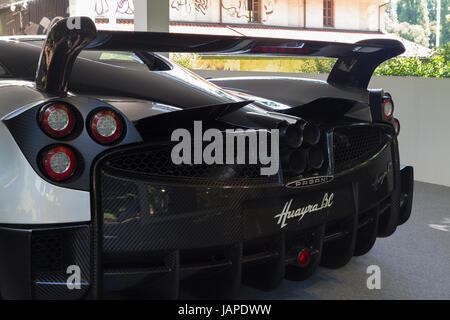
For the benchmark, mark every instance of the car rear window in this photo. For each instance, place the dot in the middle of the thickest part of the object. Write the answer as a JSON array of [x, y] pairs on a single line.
[[120, 56], [125, 59]]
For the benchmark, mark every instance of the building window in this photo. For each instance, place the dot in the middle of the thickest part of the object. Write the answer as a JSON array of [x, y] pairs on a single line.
[[328, 14], [254, 10]]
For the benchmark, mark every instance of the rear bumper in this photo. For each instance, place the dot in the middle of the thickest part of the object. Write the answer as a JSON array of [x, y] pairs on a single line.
[[35, 259]]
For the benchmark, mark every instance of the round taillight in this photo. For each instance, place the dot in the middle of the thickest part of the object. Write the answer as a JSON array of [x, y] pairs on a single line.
[[388, 108], [303, 257], [57, 120], [59, 163], [397, 126], [106, 126]]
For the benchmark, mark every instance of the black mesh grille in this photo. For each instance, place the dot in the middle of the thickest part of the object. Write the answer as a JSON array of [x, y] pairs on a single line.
[[156, 161], [52, 252], [47, 252], [352, 145], [142, 216]]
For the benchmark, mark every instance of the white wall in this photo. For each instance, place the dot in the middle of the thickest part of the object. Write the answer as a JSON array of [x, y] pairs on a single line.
[[314, 14], [423, 107], [195, 11], [347, 14], [295, 13], [110, 12]]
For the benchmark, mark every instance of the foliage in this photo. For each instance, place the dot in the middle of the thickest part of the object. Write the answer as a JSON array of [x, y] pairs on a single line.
[[187, 60], [432, 7], [444, 51], [411, 32], [316, 65], [437, 66], [415, 20], [445, 21], [414, 12]]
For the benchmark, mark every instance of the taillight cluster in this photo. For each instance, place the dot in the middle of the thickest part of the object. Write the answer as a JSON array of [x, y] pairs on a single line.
[[62, 121]]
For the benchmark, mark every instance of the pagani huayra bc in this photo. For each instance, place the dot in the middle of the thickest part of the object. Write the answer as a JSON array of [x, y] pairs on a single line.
[[92, 201]]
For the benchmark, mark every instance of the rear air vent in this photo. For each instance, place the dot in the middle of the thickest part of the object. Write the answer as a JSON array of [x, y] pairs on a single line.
[[355, 144], [156, 161], [47, 252]]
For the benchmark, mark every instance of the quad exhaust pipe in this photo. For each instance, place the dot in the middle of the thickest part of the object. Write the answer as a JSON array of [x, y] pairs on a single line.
[[301, 153], [298, 141]]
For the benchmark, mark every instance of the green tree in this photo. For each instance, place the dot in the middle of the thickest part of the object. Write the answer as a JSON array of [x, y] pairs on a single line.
[[411, 32], [414, 15], [445, 22], [432, 7], [437, 66], [413, 12]]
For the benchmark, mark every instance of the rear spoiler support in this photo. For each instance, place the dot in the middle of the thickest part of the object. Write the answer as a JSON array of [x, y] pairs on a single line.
[[354, 67], [61, 48]]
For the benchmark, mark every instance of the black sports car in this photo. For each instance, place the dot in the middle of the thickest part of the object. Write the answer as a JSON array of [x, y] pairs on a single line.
[[97, 195]]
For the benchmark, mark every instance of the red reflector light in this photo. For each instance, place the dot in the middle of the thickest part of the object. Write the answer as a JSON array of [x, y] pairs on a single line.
[[59, 163], [106, 126], [397, 126], [303, 258], [57, 120]]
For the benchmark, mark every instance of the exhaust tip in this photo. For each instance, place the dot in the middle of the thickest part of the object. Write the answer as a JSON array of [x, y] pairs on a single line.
[[291, 136], [294, 161], [311, 133], [315, 157]]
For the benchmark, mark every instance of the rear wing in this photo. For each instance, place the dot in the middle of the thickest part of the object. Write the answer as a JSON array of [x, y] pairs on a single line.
[[354, 67]]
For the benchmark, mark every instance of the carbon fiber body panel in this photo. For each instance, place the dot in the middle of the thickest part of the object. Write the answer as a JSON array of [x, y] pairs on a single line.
[[52, 252], [155, 236], [35, 262], [208, 225]]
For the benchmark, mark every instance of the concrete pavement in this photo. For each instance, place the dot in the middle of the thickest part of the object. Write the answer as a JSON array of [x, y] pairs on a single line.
[[414, 261]]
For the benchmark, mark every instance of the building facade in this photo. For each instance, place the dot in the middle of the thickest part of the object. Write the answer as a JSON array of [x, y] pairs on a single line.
[[325, 20], [358, 15], [33, 16]]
